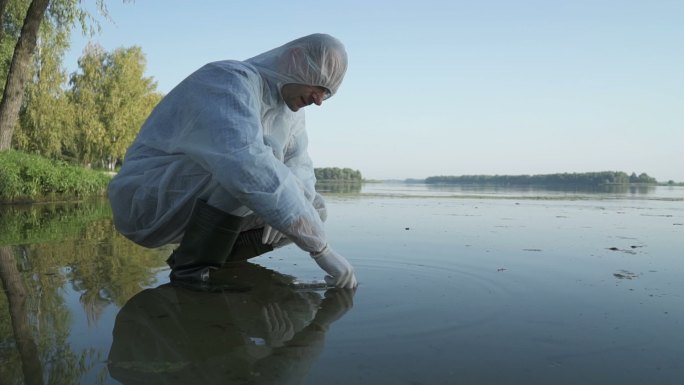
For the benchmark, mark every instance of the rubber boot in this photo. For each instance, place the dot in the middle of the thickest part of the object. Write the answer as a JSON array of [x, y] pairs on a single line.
[[248, 245], [206, 244]]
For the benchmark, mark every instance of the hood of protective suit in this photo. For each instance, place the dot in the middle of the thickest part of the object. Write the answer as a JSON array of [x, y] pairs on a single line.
[[315, 60]]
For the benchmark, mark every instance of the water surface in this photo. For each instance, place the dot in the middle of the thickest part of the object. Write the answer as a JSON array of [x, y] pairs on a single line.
[[458, 285]]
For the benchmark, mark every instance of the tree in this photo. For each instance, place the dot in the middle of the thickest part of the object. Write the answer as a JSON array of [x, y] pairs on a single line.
[[112, 99], [45, 125], [11, 17], [337, 174], [128, 99], [62, 14], [84, 97], [644, 178], [19, 71]]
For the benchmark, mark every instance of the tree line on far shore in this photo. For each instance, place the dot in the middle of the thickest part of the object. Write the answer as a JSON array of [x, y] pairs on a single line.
[[336, 174], [563, 179]]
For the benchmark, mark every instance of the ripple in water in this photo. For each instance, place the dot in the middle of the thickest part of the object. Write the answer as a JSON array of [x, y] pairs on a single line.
[[417, 301]]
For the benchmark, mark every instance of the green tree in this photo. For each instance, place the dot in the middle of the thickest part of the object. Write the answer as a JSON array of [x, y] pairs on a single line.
[[61, 15], [19, 71], [129, 99], [85, 97], [12, 14], [45, 123], [644, 178], [112, 99], [337, 174]]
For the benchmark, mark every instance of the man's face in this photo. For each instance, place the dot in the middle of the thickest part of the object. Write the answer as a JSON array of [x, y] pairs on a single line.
[[297, 96]]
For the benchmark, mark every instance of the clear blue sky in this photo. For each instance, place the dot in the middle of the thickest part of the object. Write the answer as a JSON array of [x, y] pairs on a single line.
[[453, 87]]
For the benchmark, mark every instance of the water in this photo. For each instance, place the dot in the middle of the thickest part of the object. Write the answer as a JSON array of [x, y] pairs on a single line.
[[458, 285]]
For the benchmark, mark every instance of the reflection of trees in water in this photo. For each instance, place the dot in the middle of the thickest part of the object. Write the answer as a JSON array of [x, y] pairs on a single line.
[[39, 328], [29, 224], [45, 248], [18, 316], [341, 187]]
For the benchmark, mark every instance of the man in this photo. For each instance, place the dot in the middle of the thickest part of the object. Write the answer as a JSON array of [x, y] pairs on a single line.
[[221, 164]]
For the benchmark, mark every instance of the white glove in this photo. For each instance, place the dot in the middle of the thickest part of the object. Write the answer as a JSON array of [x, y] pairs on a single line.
[[341, 272], [271, 235]]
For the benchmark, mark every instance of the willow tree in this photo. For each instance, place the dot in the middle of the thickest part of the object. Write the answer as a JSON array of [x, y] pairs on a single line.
[[129, 99], [19, 71], [61, 14], [85, 96], [45, 125], [111, 98]]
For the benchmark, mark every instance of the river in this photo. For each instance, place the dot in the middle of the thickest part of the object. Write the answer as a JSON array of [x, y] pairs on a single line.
[[458, 285]]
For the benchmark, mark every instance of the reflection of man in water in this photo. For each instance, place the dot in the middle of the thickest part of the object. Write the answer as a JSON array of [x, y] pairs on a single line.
[[262, 330]]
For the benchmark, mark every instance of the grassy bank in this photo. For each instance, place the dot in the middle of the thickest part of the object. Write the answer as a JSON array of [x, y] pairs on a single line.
[[32, 178]]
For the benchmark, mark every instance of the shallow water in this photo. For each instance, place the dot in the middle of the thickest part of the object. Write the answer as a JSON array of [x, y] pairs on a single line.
[[458, 285]]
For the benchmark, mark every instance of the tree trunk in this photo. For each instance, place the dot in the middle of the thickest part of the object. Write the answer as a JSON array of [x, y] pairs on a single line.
[[19, 71], [16, 296]]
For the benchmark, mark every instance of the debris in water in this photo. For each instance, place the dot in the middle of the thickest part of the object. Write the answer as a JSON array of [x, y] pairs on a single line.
[[624, 274], [624, 251]]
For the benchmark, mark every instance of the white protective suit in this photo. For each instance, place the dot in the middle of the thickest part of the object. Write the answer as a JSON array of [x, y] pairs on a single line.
[[224, 134]]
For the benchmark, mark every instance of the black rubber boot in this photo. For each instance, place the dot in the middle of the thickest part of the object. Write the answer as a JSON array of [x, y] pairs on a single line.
[[206, 244], [248, 245]]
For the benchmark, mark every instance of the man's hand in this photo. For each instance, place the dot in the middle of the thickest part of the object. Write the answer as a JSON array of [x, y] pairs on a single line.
[[341, 272], [337, 303]]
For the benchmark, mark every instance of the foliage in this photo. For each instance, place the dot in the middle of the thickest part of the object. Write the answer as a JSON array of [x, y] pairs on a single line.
[[112, 99], [573, 179], [96, 120], [12, 20], [337, 174], [93, 122], [45, 121], [642, 178], [25, 177], [32, 30]]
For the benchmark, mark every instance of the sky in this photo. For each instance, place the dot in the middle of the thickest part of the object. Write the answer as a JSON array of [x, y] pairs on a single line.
[[495, 87]]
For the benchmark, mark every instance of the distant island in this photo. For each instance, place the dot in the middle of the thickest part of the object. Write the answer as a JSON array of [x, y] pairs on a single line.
[[336, 174], [582, 179], [602, 178]]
